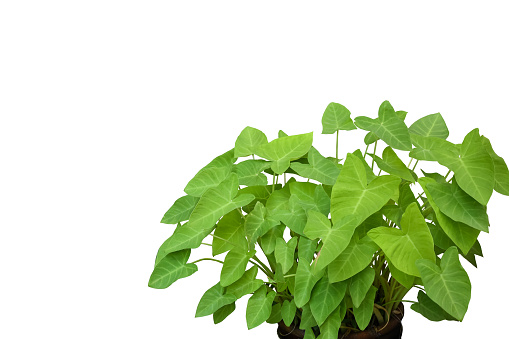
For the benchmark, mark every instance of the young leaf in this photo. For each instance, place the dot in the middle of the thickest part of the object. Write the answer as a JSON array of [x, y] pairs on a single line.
[[288, 312], [223, 312], [211, 175], [235, 264], [325, 298], [212, 300], [275, 314], [246, 284], [249, 172], [364, 312], [305, 280], [432, 125], [371, 137], [180, 210], [319, 168], [285, 253], [172, 267], [500, 168], [229, 231], [359, 285], [258, 223], [403, 247], [459, 206], [330, 327], [352, 195], [388, 127], [336, 117], [248, 140], [447, 285], [307, 318], [392, 164], [283, 150], [259, 307], [429, 309]]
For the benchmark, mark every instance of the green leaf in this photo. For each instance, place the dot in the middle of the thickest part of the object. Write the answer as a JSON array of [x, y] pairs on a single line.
[[371, 137], [404, 279], [283, 150], [427, 147], [432, 125], [392, 164], [388, 127], [180, 210], [307, 320], [330, 327], [268, 241], [259, 307], [235, 264], [459, 206], [294, 217], [171, 268], [285, 253], [473, 168], [429, 309], [335, 239], [249, 139], [211, 175], [403, 247], [305, 280], [356, 256], [325, 298], [246, 284], [447, 285], [223, 312], [212, 300], [275, 314], [249, 172], [369, 172], [500, 168], [307, 248], [364, 312], [229, 231], [359, 285], [352, 195], [319, 168], [258, 223], [261, 194], [462, 235], [288, 312], [214, 203], [336, 117]]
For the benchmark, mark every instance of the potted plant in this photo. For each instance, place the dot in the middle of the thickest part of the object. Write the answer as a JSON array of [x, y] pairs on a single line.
[[328, 247]]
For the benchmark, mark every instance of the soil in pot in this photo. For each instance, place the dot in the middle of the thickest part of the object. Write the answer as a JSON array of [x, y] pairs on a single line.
[[393, 329]]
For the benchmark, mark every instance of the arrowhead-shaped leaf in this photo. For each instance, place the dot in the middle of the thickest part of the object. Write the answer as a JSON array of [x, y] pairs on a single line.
[[319, 168], [288, 311], [248, 140], [392, 164], [364, 312], [359, 285], [171, 268], [234, 266], [403, 247], [352, 195], [285, 149], [429, 309], [307, 248], [268, 241], [371, 137], [250, 172], [325, 298], [285, 253], [258, 223], [229, 231], [246, 284], [432, 125], [212, 300], [330, 327], [427, 147], [180, 210], [447, 285], [500, 168], [259, 307], [336, 117], [305, 280], [223, 312]]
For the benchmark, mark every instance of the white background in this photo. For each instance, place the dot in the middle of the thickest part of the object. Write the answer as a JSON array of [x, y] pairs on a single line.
[[108, 108]]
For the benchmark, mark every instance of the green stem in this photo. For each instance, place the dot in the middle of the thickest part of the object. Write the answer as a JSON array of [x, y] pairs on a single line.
[[410, 162], [205, 243], [374, 152], [210, 259], [261, 268], [447, 175], [413, 169], [267, 270], [337, 146], [273, 181], [365, 151]]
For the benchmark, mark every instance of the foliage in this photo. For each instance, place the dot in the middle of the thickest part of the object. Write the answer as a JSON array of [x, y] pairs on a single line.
[[341, 245]]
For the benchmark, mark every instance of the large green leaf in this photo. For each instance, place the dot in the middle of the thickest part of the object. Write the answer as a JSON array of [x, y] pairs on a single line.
[[305, 280], [429, 309], [229, 233], [330, 327], [462, 235], [171, 268], [223, 312], [259, 307], [214, 203], [336, 117], [319, 168], [447, 285], [473, 167], [180, 210], [335, 239], [234, 266], [369, 172], [356, 256], [426, 147], [211, 175], [432, 125], [294, 217], [212, 300], [359, 285], [392, 164], [248, 140], [285, 253], [325, 298], [403, 247], [258, 223], [500, 168], [364, 312], [371, 137], [288, 311], [459, 206], [283, 150], [250, 172], [388, 127], [246, 284], [352, 195]]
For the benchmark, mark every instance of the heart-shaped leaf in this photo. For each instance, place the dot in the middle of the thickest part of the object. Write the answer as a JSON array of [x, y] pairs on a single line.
[[392, 164], [325, 298], [229, 231], [212, 300], [432, 125], [364, 312], [250, 172], [285, 253], [259, 307], [429, 309], [305, 280], [288, 311], [258, 223], [359, 285], [248, 140], [246, 284], [180, 210], [222, 313], [235, 264], [336, 117], [171, 268], [319, 168]]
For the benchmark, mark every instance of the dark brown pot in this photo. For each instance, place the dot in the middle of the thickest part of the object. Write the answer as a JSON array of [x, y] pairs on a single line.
[[393, 330]]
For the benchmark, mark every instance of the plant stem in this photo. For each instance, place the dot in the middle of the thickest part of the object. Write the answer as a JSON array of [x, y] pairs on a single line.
[[374, 152], [205, 243], [410, 162], [267, 270], [413, 169], [210, 259], [261, 268], [447, 175], [365, 151]]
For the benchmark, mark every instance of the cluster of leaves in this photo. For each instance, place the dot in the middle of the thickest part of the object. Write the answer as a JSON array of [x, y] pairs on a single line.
[[341, 245]]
